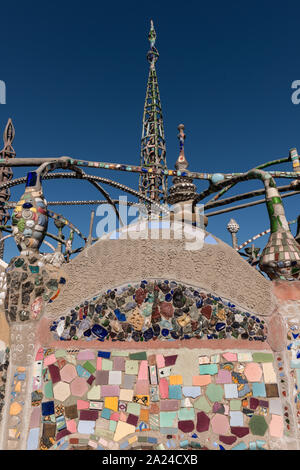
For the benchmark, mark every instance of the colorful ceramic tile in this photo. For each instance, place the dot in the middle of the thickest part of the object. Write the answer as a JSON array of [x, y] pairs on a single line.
[[258, 389], [131, 367], [210, 369]]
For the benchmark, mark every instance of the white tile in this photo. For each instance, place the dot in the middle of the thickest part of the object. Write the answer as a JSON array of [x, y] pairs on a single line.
[[231, 391], [115, 377], [236, 418]]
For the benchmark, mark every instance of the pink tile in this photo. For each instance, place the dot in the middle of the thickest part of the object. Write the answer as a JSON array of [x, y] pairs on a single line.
[[110, 390], [123, 416], [85, 354], [169, 405], [164, 388], [230, 356], [39, 355], [143, 371], [220, 424], [49, 360], [223, 377], [142, 387], [35, 417], [276, 426], [71, 425], [115, 416], [119, 363], [253, 372], [83, 405], [160, 360], [99, 363]]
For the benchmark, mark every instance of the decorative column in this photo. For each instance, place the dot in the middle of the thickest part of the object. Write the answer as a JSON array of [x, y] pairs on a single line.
[[280, 259], [31, 284]]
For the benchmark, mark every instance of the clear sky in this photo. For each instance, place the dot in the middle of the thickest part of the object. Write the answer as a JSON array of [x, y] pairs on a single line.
[[76, 73]]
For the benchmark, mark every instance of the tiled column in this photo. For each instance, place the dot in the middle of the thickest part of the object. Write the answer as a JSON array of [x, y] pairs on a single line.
[[288, 357], [18, 389]]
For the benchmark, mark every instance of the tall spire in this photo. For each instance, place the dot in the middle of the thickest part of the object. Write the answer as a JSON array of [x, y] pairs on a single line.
[[153, 149], [6, 174]]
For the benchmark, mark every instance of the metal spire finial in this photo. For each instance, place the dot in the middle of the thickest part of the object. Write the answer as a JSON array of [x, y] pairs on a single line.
[[152, 182], [183, 188], [153, 54], [6, 175], [181, 163], [8, 137]]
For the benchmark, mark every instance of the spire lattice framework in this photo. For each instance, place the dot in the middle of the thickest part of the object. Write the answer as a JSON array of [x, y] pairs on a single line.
[[153, 148], [6, 175]]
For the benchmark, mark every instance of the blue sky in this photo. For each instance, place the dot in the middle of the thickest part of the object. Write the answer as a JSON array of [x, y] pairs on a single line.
[[76, 76]]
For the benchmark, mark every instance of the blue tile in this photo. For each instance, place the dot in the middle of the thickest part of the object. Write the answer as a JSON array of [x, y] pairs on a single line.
[[105, 354], [259, 389]]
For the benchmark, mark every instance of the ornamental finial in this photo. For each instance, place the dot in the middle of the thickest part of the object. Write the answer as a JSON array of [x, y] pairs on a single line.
[[181, 163], [233, 227], [153, 54], [8, 137]]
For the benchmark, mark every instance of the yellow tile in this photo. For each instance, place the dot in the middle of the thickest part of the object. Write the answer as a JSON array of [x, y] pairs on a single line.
[[123, 430], [111, 403], [18, 387], [15, 409], [175, 379], [132, 439], [144, 415], [21, 369]]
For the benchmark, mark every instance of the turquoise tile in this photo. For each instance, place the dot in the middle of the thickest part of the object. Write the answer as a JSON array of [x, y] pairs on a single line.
[[175, 392], [259, 389], [240, 446], [106, 413], [166, 418], [208, 369], [82, 372], [185, 414]]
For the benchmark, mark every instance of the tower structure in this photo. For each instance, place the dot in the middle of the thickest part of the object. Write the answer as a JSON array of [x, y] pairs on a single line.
[[6, 174], [153, 148], [183, 188]]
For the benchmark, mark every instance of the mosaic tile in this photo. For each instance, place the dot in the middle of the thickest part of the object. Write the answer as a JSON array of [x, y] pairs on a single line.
[[126, 394], [269, 373], [259, 389], [178, 409], [131, 306]]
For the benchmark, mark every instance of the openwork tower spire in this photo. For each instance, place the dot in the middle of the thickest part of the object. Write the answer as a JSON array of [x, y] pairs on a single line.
[[6, 175], [153, 149]]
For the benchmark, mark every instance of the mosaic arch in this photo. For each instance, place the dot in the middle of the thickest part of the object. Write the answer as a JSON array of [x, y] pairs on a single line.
[[162, 310]]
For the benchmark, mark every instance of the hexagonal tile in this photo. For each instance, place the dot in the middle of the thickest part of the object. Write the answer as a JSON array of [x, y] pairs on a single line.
[[220, 424], [258, 425], [61, 391], [79, 387], [68, 373], [214, 392], [253, 372]]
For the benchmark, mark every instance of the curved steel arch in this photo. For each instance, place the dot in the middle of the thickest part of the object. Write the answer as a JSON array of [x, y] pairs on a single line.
[[87, 177]]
